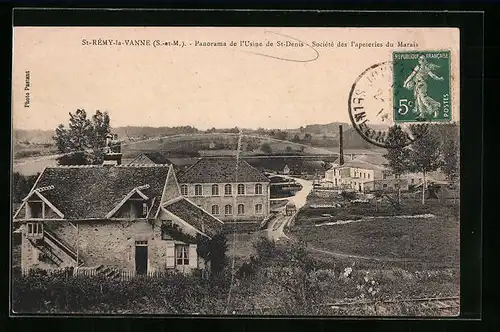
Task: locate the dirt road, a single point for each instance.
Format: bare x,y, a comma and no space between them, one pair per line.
276,227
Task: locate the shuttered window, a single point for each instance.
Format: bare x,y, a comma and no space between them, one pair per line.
170,254
182,254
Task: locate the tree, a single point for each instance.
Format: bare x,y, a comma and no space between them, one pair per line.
308,138
83,141
266,148
213,250
398,154
425,152
296,138
21,185
288,149
451,159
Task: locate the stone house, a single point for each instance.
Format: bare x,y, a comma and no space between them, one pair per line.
354,175
230,190
123,217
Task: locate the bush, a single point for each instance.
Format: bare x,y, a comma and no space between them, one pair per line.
265,248
40,291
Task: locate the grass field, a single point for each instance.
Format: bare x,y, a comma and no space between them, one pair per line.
433,241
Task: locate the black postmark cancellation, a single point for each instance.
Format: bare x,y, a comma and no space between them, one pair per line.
371,105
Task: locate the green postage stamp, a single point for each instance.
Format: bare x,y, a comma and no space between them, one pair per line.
422,86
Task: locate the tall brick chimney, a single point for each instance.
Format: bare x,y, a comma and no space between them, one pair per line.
112,151
341,143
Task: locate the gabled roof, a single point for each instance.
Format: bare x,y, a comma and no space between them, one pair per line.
221,170
91,192
157,157
154,156
194,215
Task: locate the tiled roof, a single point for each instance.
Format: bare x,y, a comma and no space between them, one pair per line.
157,158
221,170
195,216
84,192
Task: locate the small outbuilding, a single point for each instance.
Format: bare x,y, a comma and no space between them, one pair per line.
290,209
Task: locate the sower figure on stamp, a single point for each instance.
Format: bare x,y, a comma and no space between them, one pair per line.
424,104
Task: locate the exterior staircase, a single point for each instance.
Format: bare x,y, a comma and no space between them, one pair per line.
66,248
47,251
49,242
108,272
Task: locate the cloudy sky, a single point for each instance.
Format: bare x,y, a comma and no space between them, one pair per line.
200,86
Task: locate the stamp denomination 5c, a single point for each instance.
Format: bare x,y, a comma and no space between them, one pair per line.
422,86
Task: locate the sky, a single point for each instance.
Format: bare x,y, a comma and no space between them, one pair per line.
201,86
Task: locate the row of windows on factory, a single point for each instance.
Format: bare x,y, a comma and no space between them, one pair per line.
228,189
228,209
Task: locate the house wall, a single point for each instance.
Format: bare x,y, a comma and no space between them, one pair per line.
249,200
108,243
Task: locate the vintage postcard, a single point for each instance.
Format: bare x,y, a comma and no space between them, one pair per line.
236,171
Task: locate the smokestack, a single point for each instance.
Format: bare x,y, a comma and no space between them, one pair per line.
341,143
112,151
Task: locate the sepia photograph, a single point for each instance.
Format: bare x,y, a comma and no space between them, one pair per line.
236,171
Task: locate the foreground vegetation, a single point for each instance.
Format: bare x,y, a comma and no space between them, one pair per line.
277,280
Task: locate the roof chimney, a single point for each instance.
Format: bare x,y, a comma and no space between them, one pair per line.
112,151
341,143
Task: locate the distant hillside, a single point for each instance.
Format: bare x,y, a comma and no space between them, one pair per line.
324,135
329,129
33,136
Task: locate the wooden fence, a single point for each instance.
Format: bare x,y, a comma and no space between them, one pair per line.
94,272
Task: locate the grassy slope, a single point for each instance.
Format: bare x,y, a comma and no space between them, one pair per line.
434,241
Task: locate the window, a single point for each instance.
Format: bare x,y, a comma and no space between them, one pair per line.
215,190
198,190
182,254
258,189
228,210
228,190
368,175
184,190
35,229
241,209
144,209
385,185
164,230
241,189
258,208
334,172
364,175
412,181
215,209
36,209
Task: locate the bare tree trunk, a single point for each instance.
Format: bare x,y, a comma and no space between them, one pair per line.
424,186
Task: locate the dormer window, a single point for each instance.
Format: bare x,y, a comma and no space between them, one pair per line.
36,209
